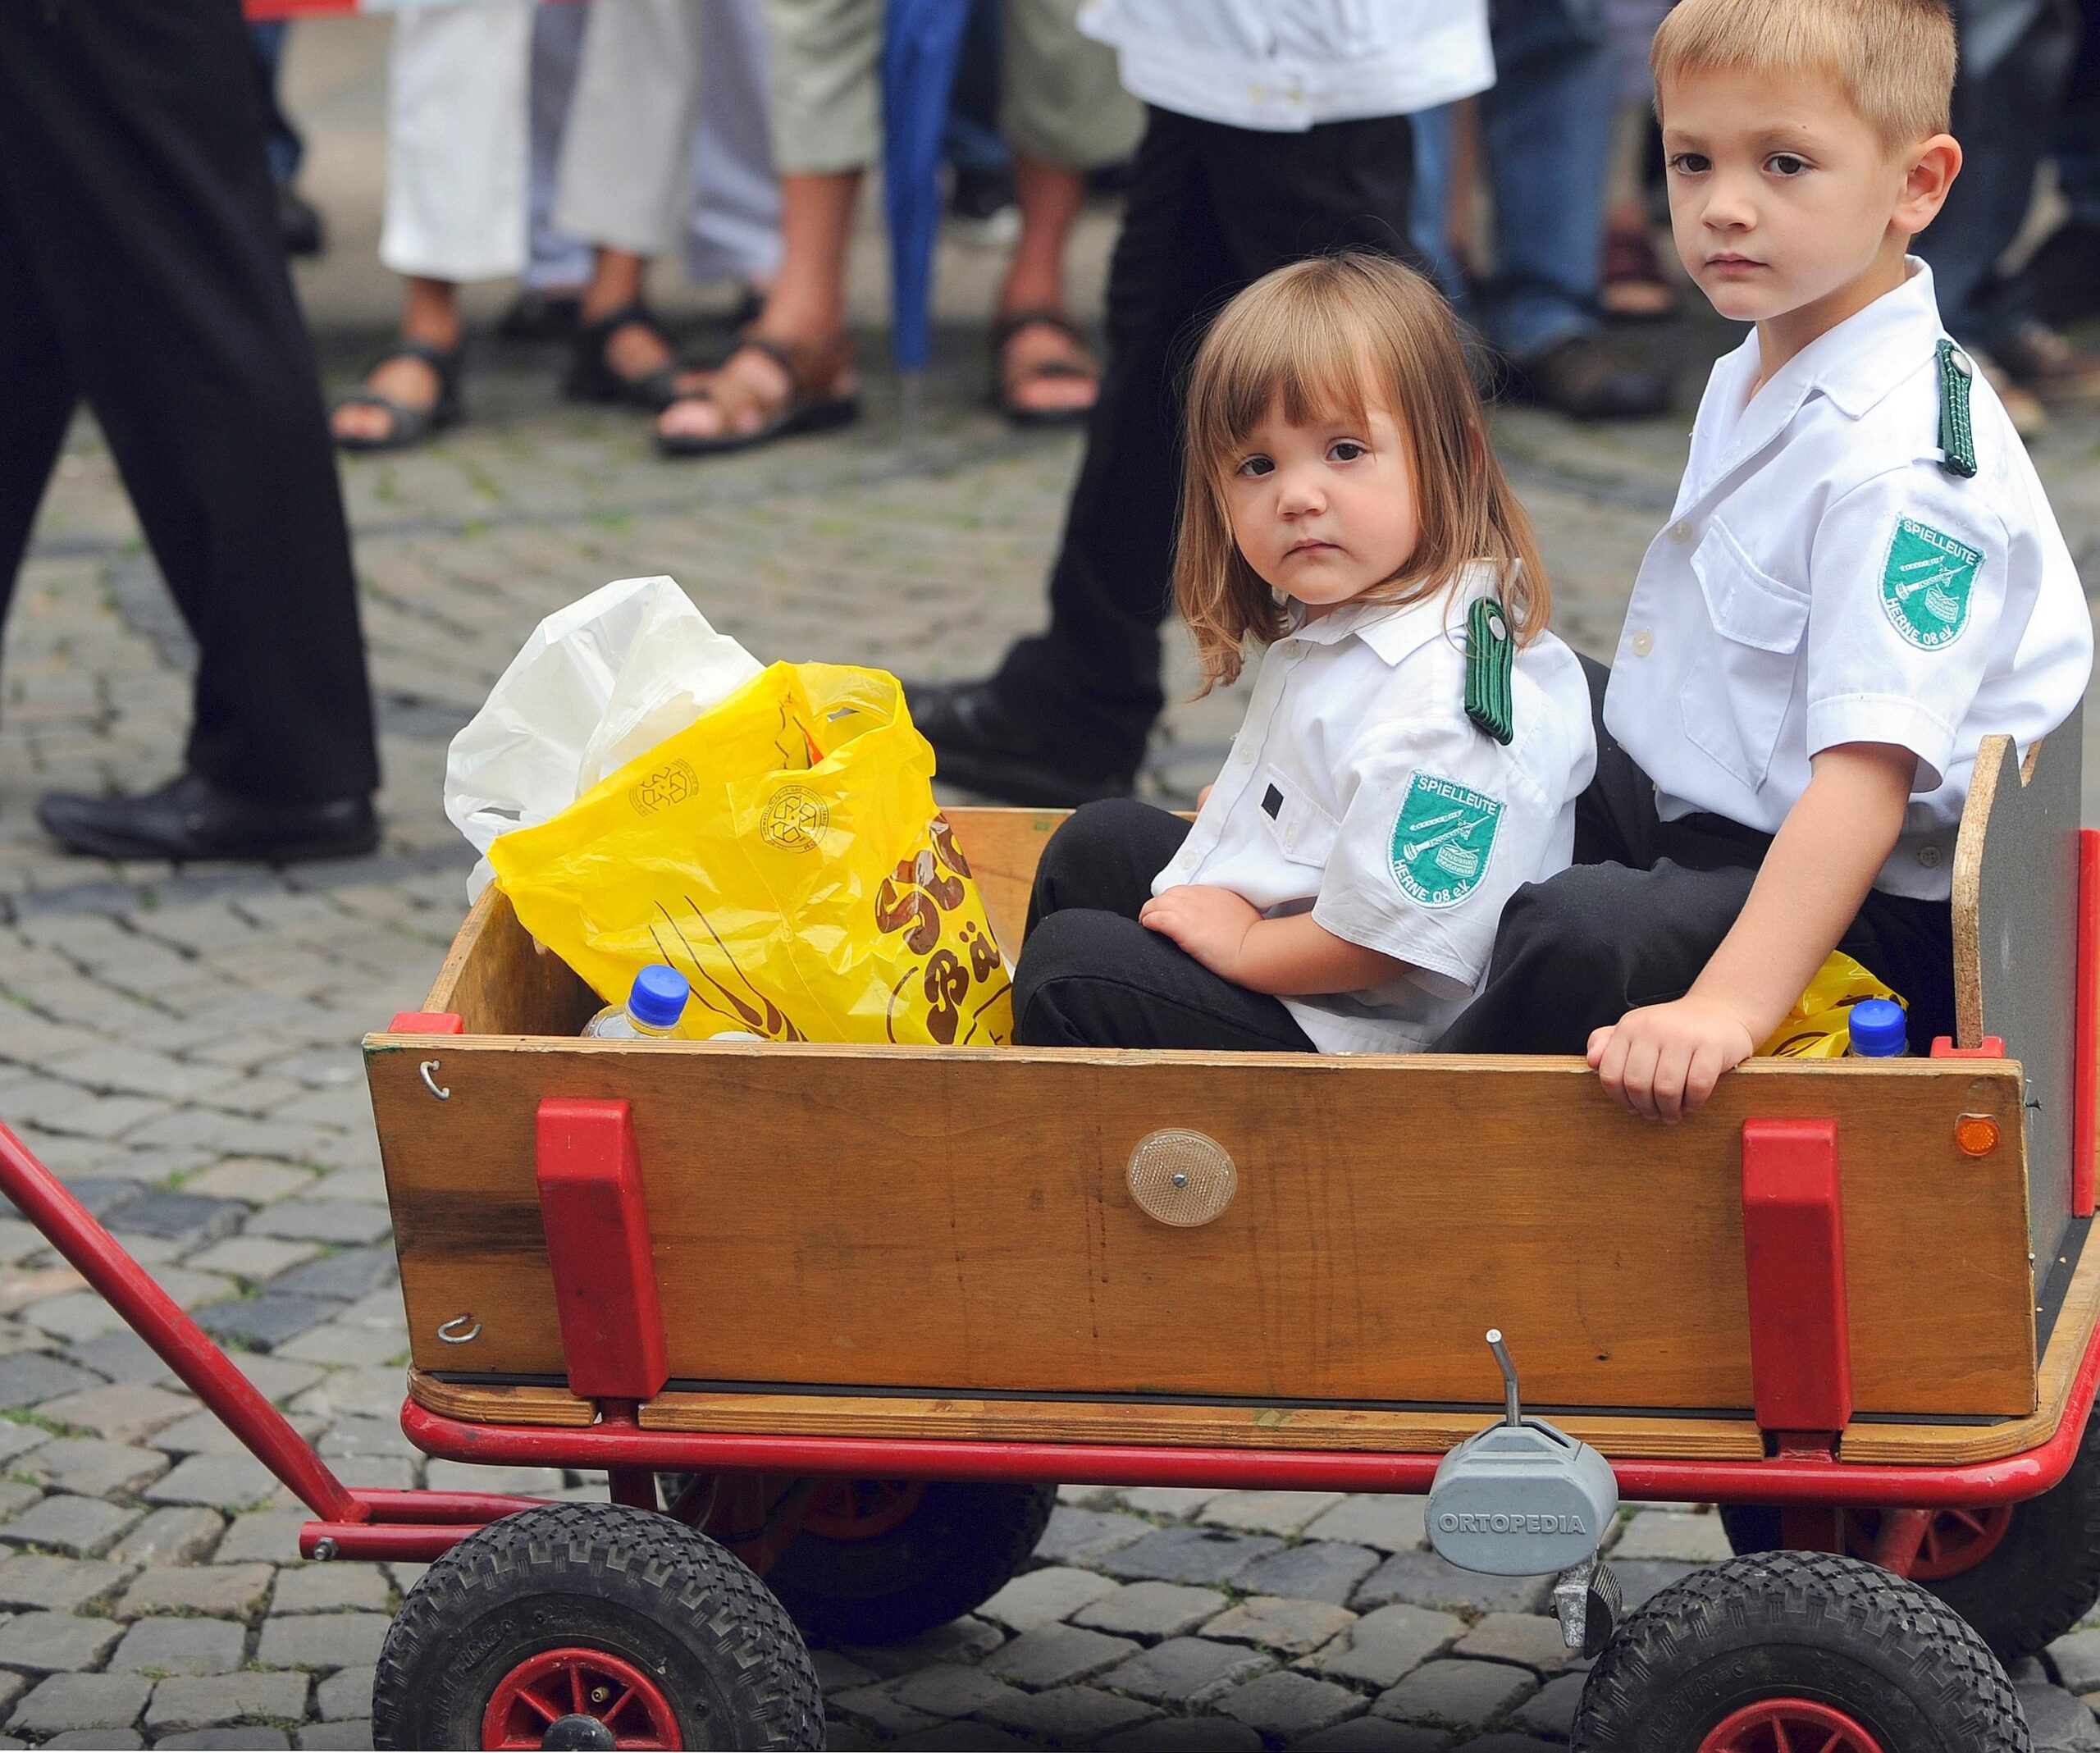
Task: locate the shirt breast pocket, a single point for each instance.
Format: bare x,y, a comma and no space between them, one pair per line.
1302,831
1739,683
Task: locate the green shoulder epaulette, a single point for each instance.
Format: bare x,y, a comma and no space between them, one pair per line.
1957,437
1491,661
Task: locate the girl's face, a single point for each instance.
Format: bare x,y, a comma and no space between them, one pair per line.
1324,511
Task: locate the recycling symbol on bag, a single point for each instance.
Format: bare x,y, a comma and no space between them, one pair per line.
795,820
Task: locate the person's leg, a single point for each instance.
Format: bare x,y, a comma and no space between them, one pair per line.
37,394
734,232
131,160
2065,271
1103,859
1429,202
557,264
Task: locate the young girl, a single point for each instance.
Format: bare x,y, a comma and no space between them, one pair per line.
1415,740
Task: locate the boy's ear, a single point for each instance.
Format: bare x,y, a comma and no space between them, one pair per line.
1933,167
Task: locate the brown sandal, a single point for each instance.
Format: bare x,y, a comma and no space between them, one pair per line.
812,404
1006,383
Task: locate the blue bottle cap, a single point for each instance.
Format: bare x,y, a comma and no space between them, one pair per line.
1878,1031
658,997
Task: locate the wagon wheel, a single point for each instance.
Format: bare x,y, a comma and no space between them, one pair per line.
1797,1652
879,1561
2023,1574
585,1625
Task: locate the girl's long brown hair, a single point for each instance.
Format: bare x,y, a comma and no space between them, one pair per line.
1337,334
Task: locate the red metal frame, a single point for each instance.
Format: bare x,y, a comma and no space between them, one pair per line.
1793,1239
597,1228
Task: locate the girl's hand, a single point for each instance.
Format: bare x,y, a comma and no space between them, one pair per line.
1210,924
1203,797
1663,1060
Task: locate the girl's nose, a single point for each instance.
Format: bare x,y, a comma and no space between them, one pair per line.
1299,495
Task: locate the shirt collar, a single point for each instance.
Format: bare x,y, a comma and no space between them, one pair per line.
1395,631
1865,357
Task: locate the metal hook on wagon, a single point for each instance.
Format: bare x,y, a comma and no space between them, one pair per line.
431,1083
447,1333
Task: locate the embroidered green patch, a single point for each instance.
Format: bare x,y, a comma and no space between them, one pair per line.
1442,840
1926,582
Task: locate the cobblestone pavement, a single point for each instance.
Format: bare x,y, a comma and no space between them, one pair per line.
181,1047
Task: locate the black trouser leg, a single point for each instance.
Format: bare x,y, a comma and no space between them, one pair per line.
1211,208
131,160
37,394
1090,975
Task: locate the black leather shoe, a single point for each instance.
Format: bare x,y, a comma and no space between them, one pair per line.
983,747
1584,378
300,225
190,819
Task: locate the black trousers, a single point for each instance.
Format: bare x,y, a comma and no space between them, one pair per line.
1210,209
140,268
1090,975
1643,909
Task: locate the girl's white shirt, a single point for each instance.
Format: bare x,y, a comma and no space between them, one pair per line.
1286,66
1358,789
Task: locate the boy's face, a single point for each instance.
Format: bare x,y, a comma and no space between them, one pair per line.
1781,193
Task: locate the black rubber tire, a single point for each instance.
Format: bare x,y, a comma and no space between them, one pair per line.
1807,1625
2041,1580
638,1586
958,1548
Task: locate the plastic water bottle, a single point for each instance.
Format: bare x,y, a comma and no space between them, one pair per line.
651,1011
1879,1030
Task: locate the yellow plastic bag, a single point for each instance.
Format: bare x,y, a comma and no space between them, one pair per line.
1819,1025
784,853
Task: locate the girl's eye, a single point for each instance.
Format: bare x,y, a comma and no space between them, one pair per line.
1346,450
1254,468
1691,164
1786,164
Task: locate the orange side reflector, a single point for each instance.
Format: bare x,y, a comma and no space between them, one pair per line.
1976,1135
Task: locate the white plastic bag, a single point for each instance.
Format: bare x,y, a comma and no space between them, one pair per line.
597,684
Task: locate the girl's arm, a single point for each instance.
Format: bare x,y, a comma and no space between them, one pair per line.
1289,958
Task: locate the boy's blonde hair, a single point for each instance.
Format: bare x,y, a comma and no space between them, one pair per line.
1335,334
1893,59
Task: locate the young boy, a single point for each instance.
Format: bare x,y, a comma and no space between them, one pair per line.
1862,580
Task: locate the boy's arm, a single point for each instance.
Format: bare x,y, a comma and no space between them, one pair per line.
1663,1060
1288,958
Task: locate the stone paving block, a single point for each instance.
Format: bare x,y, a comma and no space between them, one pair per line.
876,1707
2076,1659
322,1641
93,1467
373,1393
1037,1597
369,1438
96,1740
1507,1741
382,1308
79,1315
1073,1716
958,1738
1422,1579
345,1695
34,1579
67,1701
1316,1569
218,1481
30,1377
201,1702
1531,1640
349,1738
225,1591
1385,1645
122,1356
79,1527
14,1497
1641,1579
332,1342
963,1640
1267,1512
267,1320
178,1217
1151,1610
834,1673
1377,1734
1186,1672
1188,1554
1166,1500
252,1180
1445,1692
1185,1734
254,1735
343,1222
254,1258
1291,1628
201,1433
119,1412
277,1378
1286,1706
350,1274
2058,1722
1057,1655
948,1689
331,1587
1672,1534
53,1643
164,1646
1079,1535
17,1440
1550,1710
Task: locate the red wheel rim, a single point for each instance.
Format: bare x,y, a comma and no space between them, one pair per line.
851,1509
557,1683
1955,1540
1787,1725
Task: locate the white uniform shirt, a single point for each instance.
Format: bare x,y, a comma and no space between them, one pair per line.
1824,580
1357,788
1284,66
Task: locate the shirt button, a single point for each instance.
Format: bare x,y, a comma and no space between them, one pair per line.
1928,857
1243,755
1680,530
1290,839
1644,642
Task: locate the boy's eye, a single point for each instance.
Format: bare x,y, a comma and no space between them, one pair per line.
1255,467
1346,450
1691,164
1786,164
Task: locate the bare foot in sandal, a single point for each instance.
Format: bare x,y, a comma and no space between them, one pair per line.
1047,376
410,391
766,389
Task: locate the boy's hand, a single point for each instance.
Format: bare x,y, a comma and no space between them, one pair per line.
1210,924
1663,1060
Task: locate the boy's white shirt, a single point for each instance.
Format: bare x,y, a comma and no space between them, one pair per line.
1823,580
1357,769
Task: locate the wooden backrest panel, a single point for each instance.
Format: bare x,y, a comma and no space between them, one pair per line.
960,1221
2015,965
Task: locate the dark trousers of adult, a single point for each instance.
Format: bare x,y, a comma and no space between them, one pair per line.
1211,208
1641,911
140,268
1090,975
